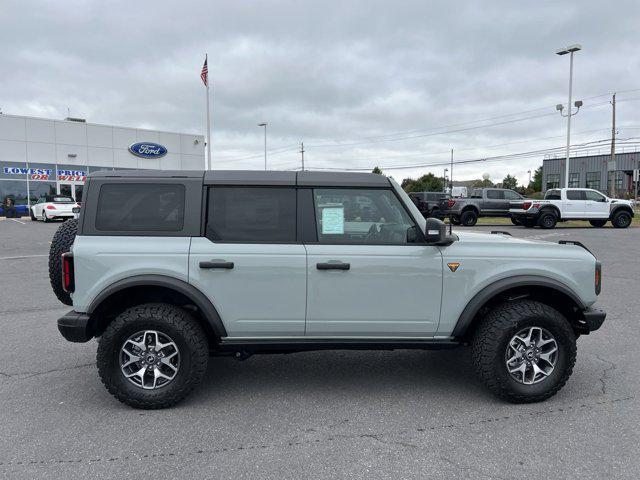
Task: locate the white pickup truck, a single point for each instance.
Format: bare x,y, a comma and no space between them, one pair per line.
562,204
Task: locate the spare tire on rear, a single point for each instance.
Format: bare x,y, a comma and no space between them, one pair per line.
61,243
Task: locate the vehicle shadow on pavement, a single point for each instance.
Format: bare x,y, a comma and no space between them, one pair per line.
399,372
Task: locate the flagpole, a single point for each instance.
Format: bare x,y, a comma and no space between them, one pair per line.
208,120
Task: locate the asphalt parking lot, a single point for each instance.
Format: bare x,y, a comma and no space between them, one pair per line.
400,414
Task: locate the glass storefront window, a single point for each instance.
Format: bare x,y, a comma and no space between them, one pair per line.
14,189
40,189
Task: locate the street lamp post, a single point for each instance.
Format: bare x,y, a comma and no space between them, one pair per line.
563,51
264,124
444,180
529,172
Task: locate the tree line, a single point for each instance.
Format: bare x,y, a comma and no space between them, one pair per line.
431,183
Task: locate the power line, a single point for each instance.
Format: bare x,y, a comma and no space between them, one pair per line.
520,155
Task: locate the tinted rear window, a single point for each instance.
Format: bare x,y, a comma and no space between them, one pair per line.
552,195
140,207
252,214
575,195
495,194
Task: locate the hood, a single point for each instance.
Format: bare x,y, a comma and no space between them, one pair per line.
483,243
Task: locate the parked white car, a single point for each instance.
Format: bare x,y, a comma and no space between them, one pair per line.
50,207
562,204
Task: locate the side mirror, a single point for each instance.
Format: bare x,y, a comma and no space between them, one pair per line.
435,232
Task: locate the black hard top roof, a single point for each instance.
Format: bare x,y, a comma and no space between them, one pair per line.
148,173
310,179
258,177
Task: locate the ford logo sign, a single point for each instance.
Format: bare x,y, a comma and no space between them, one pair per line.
148,150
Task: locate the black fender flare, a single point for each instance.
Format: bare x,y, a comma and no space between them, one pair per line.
556,210
617,208
466,208
499,286
198,298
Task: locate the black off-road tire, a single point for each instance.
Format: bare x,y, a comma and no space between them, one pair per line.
61,243
455,220
170,320
547,219
529,222
516,221
492,336
621,219
469,218
598,223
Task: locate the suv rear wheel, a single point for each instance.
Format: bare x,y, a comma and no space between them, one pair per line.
152,355
469,218
524,351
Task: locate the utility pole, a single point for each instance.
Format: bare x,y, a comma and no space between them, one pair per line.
451,174
613,147
302,154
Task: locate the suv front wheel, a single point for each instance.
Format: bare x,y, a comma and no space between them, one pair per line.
524,351
152,355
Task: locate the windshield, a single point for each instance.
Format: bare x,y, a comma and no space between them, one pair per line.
61,199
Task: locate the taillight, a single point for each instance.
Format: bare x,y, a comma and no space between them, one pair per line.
451,203
526,205
51,207
598,278
68,280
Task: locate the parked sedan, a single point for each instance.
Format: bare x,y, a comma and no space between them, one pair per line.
51,207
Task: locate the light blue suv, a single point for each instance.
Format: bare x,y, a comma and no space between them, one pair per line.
168,268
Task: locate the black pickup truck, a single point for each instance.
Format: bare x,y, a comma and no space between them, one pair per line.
428,202
483,202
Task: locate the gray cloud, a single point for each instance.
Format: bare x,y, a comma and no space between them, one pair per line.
328,72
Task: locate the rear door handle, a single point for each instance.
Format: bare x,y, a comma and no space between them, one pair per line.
333,266
217,264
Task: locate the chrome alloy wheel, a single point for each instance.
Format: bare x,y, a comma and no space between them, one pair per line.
149,359
531,355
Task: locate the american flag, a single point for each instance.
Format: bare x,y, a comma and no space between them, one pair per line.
204,75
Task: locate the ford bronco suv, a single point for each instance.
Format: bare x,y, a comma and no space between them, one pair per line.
167,268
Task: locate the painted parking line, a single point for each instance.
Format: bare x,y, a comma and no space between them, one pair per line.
23,256
19,221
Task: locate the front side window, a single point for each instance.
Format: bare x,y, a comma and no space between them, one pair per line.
362,216
252,214
511,195
593,180
140,207
594,196
495,194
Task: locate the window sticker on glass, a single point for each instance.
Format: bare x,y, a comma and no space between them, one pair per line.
333,220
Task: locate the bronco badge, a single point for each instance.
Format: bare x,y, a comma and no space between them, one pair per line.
453,266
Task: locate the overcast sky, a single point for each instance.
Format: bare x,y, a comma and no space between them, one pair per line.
361,83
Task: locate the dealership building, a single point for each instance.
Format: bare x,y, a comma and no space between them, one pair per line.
44,157
594,171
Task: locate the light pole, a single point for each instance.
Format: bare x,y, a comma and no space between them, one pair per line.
444,180
264,124
563,51
529,172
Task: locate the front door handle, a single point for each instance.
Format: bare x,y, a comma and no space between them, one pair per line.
217,264
333,266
